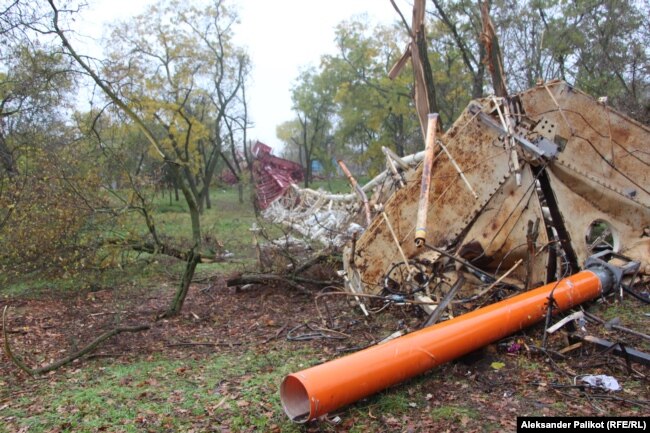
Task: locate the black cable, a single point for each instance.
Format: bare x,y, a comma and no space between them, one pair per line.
551,305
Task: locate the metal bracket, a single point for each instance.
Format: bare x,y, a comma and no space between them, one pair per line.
543,148
598,262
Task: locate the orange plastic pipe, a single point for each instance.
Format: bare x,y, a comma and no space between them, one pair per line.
319,390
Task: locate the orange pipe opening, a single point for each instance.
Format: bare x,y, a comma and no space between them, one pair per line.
321,389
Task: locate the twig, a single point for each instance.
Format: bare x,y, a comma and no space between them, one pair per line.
548,352
399,247
399,12
102,313
317,258
317,332
458,169
105,355
560,110
276,335
68,359
501,278
368,295
360,192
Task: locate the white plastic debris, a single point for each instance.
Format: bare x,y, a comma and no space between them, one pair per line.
602,381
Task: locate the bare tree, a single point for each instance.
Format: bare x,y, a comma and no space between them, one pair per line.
156,81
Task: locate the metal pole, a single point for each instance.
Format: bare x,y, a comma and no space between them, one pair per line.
423,205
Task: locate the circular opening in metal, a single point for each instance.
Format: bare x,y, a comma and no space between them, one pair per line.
601,236
295,400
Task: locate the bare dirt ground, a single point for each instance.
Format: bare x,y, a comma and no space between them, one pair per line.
493,386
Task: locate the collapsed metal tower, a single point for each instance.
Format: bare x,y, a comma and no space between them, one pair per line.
532,185
520,192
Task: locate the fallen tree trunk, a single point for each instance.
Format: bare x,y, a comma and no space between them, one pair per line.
68,359
270,279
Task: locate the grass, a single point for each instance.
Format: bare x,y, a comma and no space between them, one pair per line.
225,228
218,392
454,413
228,221
629,317
158,394
133,271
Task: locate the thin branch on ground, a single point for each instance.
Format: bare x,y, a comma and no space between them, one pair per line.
68,359
271,279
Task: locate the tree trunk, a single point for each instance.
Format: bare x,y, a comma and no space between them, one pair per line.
6,158
193,259
478,78
490,41
307,172
429,84
208,203
240,189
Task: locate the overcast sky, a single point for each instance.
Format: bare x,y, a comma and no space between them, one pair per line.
282,37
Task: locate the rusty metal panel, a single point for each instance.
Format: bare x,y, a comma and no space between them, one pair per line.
602,173
601,143
452,207
593,162
499,233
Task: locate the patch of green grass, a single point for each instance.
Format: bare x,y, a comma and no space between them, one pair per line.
559,407
632,314
392,402
31,286
134,272
226,225
234,391
624,311
454,413
528,364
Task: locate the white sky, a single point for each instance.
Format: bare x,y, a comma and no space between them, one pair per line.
282,37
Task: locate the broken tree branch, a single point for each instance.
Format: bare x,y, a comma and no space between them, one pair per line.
404,22
68,359
272,279
423,202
